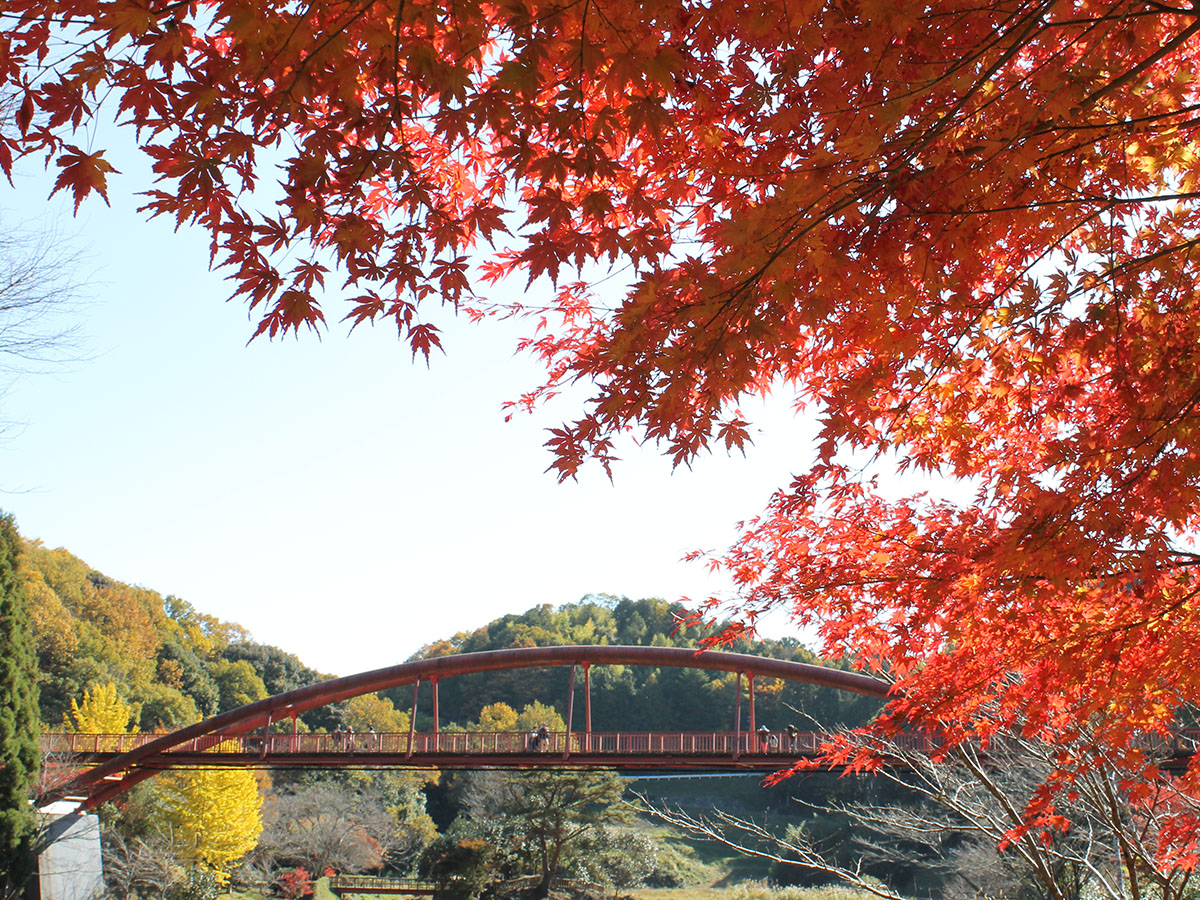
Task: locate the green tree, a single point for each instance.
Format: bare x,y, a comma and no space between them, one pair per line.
461,868
19,752
180,667
536,714
237,683
370,712
552,813
164,708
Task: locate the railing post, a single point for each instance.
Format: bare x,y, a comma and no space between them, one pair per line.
412,719
570,711
737,717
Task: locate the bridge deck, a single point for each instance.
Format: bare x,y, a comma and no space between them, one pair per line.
628,750
621,750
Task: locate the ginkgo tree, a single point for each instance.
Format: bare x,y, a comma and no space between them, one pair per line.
215,814
962,236
101,712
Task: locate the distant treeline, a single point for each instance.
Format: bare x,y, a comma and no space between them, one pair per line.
629,697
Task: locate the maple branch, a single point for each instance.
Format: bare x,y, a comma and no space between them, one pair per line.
1032,20
1108,202
1118,125
332,36
286,41
1130,74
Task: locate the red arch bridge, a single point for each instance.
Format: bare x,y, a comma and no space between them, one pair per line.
94,768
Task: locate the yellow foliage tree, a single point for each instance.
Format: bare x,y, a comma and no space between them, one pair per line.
216,814
536,714
498,717
101,712
370,712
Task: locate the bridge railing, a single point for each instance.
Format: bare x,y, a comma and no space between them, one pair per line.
489,743
615,743
380,884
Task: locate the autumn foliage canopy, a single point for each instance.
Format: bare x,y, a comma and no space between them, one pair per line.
964,236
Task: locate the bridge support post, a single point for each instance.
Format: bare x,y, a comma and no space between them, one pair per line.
750,681
570,711
412,719
737,718
587,705
437,743
266,736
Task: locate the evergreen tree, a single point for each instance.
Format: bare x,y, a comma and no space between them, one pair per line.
19,752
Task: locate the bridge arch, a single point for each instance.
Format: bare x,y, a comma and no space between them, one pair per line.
120,773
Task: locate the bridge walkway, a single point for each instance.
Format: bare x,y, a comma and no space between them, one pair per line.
765,750
627,750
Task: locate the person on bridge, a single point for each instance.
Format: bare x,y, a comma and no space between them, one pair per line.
544,738
792,737
764,737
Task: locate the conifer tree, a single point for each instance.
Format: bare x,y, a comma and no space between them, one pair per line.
19,754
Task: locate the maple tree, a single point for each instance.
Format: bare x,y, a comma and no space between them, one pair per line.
963,236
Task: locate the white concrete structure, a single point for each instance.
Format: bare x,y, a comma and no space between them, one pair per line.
69,868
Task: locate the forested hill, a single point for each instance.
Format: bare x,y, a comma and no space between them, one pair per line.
174,664
171,662
631,697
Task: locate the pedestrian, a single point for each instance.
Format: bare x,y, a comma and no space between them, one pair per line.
764,737
544,737
792,737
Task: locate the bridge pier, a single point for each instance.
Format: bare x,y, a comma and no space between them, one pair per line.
68,864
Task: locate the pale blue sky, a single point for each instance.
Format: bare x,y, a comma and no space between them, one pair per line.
332,496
